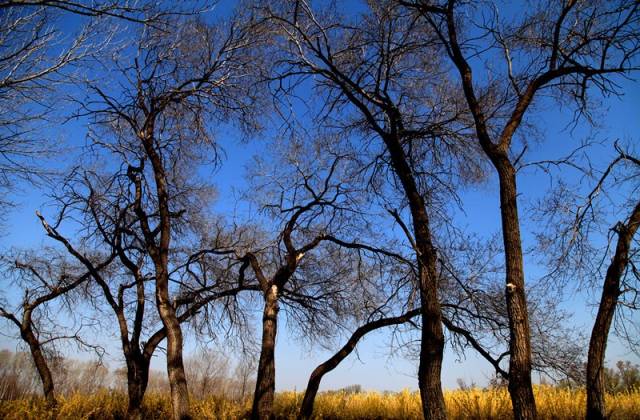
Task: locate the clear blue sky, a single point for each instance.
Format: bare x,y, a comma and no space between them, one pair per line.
374,369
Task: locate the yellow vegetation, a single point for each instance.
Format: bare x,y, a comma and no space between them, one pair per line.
553,403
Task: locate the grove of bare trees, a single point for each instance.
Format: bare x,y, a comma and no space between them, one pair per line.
366,132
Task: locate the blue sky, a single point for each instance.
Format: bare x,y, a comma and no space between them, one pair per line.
375,368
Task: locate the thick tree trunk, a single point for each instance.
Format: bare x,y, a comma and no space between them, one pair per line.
175,364
432,336
597,347
306,410
137,380
520,387
266,380
41,365
160,254
610,292
431,352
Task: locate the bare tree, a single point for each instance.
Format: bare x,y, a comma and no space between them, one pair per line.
322,281
44,280
104,206
243,373
158,125
324,197
39,56
562,48
376,77
475,316
616,283
208,373
576,253
145,12
30,72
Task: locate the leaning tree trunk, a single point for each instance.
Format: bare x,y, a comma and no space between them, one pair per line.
520,387
306,410
266,379
41,365
610,291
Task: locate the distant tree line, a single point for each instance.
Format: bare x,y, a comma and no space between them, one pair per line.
209,374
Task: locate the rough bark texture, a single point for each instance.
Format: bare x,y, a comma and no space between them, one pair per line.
432,335
137,381
431,351
610,292
160,254
175,364
318,373
520,387
41,364
266,379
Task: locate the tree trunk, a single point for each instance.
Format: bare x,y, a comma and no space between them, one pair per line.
175,364
432,336
306,410
41,365
137,380
606,311
520,387
266,380
431,350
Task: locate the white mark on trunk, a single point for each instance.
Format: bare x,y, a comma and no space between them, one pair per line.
273,291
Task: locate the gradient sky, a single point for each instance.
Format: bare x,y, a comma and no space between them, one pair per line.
375,367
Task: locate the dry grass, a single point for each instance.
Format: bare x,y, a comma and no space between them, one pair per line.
553,403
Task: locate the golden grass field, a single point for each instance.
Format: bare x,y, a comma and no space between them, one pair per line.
553,403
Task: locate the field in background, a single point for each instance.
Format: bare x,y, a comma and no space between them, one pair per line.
553,403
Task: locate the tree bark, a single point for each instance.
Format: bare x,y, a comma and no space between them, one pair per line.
520,386
318,373
266,379
160,255
175,364
610,292
431,350
137,381
41,364
432,335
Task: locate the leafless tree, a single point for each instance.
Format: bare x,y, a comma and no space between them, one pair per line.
244,372
376,78
158,124
44,280
208,373
30,71
580,225
620,281
315,267
560,49
145,12
475,317
39,56
318,373
104,207
281,282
